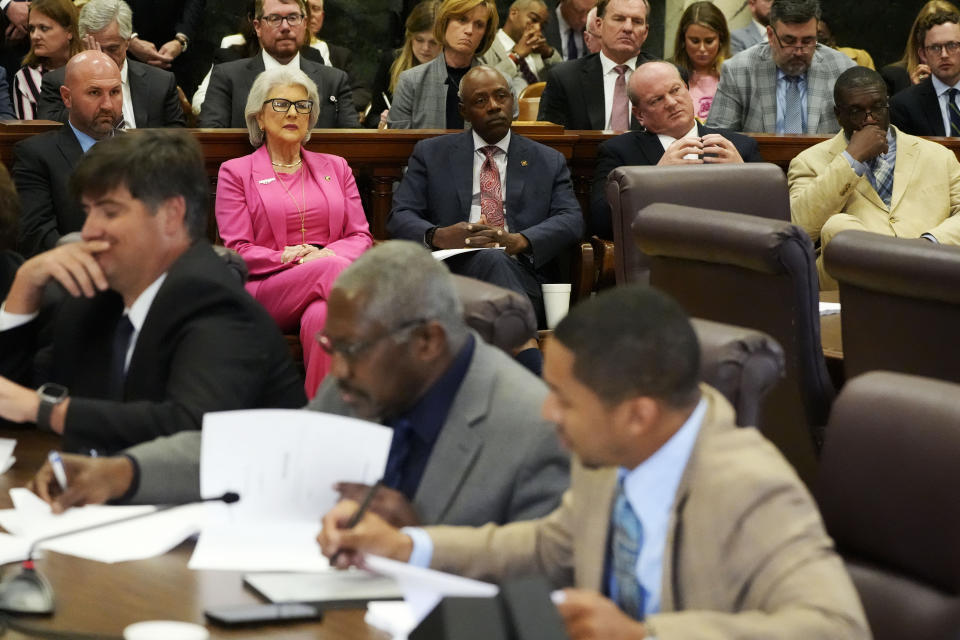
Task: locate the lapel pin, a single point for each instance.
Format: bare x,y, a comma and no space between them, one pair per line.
523,163
266,180
327,178
333,98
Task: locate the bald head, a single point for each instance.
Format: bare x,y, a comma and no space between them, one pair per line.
661,101
93,93
486,102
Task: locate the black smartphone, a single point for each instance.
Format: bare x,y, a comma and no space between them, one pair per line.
235,615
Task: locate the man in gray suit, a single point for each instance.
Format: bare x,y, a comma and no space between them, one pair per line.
756,31
786,85
520,50
281,29
469,443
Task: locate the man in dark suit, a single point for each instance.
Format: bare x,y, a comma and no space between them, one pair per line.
43,164
925,109
671,135
452,195
154,329
564,31
280,40
591,93
149,94
335,56
164,32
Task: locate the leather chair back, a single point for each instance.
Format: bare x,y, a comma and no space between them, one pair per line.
900,304
754,188
757,273
502,317
742,364
889,491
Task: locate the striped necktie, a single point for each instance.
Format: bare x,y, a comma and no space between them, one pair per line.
954,112
626,542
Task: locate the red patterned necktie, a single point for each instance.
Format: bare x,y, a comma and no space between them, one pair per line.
491,197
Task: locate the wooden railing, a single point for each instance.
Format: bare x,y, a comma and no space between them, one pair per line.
378,157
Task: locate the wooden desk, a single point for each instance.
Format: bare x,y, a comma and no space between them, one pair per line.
98,598
830,336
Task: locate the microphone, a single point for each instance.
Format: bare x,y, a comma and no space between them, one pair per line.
30,592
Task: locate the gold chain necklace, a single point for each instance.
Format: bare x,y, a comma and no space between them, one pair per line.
300,209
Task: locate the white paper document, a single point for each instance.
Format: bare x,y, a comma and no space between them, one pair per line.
829,308
424,588
31,519
6,454
443,254
283,464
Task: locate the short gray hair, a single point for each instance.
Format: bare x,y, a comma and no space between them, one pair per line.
400,282
96,15
267,82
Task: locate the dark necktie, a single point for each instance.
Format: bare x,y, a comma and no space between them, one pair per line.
491,194
793,109
954,112
626,542
118,361
526,71
572,45
399,452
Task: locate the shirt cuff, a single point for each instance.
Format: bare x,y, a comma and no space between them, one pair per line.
422,552
930,237
13,320
858,167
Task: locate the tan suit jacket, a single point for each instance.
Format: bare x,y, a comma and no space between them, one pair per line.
926,194
746,553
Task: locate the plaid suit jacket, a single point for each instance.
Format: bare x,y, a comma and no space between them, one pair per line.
746,555
746,97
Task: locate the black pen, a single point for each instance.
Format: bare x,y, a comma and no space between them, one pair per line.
358,516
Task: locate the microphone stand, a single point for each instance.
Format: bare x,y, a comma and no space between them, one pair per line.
29,592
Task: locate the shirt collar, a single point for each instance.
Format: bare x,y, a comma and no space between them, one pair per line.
666,140
479,143
940,87
608,65
427,416
269,62
505,40
659,475
781,75
762,30
85,141
137,312
124,72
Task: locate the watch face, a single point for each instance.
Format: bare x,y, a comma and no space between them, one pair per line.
53,392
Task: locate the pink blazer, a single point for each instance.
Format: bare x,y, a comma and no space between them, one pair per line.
251,201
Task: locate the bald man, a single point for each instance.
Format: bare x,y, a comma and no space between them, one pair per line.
671,135
93,95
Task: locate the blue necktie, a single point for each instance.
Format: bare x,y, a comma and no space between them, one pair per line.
793,109
399,452
572,45
118,363
954,112
626,543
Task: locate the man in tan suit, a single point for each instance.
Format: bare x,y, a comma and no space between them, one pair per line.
713,534
873,177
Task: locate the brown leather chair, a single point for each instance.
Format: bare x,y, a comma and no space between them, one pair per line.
502,317
900,304
756,188
889,491
758,273
742,364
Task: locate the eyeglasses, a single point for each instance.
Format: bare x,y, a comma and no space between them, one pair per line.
792,43
937,49
282,105
858,115
351,351
274,20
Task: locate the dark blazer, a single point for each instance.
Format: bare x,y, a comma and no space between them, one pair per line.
916,111
206,345
42,166
573,96
380,86
436,191
644,149
341,58
230,85
9,263
153,93
551,32
6,106
896,77
158,22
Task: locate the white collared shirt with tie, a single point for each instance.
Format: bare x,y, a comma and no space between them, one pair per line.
500,160
610,75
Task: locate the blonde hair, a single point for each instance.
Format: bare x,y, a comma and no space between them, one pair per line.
420,19
451,9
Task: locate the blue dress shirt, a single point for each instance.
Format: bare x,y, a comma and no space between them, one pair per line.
782,84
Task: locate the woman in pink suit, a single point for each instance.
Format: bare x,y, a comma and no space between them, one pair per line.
294,215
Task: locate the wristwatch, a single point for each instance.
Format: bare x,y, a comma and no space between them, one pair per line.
51,394
428,238
183,40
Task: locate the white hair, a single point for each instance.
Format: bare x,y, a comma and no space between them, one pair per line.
96,15
267,82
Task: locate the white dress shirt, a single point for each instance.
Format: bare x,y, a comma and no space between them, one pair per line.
609,82
666,141
129,120
565,33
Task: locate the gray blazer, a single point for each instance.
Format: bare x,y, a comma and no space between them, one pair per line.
420,99
743,39
746,97
496,459
497,57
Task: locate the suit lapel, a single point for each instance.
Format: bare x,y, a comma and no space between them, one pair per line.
649,145
271,193
518,166
930,106
460,162
139,94
69,146
907,164
459,444
593,92
767,92
818,84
